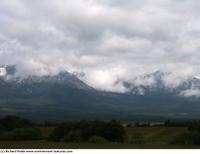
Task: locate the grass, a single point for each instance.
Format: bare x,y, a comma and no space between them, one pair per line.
156,134
62,145
46,131
155,138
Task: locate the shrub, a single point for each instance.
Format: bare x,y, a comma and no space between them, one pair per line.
136,139
53,137
13,122
2,129
27,134
195,126
7,136
112,131
73,136
61,130
97,139
191,138
21,134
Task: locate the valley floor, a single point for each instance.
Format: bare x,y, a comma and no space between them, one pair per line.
151,137
62,145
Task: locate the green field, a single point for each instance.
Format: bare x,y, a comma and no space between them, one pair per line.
62,145
152,138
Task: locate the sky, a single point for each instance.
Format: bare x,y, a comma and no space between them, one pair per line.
107,40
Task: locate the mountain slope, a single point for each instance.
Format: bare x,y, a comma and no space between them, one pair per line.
64,96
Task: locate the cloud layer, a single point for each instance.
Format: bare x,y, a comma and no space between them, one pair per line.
108,40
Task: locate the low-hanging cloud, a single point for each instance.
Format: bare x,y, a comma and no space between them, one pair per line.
108,40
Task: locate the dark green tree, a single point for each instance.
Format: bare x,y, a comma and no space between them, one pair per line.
12,122
110,130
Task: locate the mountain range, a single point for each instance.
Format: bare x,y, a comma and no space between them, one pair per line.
64,96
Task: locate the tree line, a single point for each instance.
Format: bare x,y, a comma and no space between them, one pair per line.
16,128
13,128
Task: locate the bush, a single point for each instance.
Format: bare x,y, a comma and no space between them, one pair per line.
27,134
21,134
73,136
195,126
112,131
97,139
13,122
136,139
7,136
191,138
61,130
2,129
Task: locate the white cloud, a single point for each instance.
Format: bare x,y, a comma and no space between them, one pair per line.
191,93
107,40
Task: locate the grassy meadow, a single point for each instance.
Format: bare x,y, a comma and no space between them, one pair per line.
137,138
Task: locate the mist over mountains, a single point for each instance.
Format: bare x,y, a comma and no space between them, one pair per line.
110,41
140,85
89,59
65,96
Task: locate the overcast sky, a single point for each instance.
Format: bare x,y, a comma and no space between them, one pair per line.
108,40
